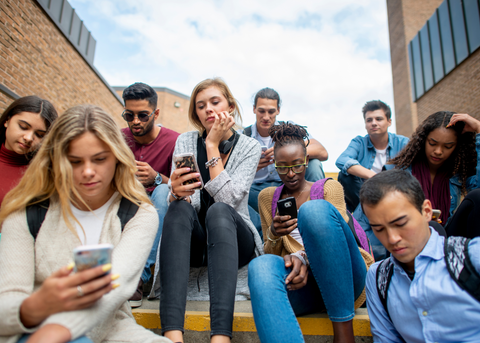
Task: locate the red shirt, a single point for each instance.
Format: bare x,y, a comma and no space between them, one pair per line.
158,154
12,168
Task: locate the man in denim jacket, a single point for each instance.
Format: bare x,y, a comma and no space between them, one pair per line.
366,156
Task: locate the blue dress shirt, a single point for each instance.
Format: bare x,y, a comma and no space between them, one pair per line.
432,307
361,151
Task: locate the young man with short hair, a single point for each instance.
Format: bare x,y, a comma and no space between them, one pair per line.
418,295
153,147
366,156
266,108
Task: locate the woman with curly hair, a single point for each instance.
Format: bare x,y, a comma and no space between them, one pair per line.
313,262
442,155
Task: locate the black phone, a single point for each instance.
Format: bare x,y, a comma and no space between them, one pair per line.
287,207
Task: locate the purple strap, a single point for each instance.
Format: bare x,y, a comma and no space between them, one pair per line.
318,192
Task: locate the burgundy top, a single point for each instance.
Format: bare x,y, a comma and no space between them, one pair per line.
12,168
158,154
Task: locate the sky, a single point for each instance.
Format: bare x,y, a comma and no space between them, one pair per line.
325,58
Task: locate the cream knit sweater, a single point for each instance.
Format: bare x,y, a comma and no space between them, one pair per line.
25,264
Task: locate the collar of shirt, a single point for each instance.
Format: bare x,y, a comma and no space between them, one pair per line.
433,250
389,145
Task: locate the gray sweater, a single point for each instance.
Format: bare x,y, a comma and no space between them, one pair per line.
233,184
231,187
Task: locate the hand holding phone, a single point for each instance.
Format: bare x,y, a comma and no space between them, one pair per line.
188,160
286,219
90,256
436,215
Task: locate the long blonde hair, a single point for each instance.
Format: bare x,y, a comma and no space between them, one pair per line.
223,88
50,173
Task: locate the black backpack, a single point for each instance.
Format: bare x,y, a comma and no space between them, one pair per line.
458,264
36,214
248,130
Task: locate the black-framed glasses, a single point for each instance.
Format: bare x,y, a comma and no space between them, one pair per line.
143,117
297,168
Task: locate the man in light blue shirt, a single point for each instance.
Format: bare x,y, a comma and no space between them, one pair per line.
366,156
425,303
266,108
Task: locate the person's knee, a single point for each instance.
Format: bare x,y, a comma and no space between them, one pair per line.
218,211
316,217
178,211
474,196
314,170
261,270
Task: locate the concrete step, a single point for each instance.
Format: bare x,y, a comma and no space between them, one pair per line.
315,327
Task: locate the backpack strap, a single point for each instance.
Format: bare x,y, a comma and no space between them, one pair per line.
126,211
460,266
384,277
36,214
317,191
276,197
248,131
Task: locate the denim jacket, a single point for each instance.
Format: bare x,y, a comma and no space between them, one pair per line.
472,183
361,151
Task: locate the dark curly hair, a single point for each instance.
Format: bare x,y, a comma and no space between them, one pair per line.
287,133
462,161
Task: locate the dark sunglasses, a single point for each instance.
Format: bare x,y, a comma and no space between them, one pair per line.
143,117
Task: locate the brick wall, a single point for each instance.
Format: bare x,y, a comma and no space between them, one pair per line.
175,118
405,19
459,91
36,58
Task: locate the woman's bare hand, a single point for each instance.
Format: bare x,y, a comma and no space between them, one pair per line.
471,124
299,274
283,225
66,291
181,175
223,123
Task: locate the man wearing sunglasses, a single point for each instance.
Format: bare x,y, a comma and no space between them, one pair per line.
153,147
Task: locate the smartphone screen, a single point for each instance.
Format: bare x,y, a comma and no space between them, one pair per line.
264,148
89,256
188,160
287,207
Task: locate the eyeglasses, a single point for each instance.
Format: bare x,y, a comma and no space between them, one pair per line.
297,168
143,117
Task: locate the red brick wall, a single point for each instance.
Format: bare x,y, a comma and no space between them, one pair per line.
405,19
459,91
36,58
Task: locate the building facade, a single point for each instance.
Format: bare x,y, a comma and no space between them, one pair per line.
435,52
173,108
46,50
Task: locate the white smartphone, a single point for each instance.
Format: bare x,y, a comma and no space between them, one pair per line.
90,256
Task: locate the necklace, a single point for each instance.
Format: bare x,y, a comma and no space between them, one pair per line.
296,198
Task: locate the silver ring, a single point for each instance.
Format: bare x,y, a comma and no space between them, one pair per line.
80,292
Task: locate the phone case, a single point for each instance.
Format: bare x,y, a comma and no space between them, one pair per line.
89,256
287,207
188,160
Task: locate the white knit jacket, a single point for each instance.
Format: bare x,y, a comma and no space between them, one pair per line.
25,264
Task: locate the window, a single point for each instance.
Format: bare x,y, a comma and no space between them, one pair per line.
437,58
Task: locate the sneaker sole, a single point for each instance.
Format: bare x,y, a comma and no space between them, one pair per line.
135,303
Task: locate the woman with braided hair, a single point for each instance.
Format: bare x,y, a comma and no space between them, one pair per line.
442,155
313,262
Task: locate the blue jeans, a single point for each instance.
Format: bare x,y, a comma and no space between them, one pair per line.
336,279
159,200
314,170
82,339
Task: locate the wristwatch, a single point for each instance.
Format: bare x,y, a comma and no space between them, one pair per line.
158,180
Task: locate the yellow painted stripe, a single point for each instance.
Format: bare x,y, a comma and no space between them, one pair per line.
332,175
313,325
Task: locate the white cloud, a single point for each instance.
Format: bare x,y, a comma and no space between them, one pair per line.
325,58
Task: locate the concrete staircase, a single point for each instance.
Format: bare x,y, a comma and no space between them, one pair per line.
316,327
